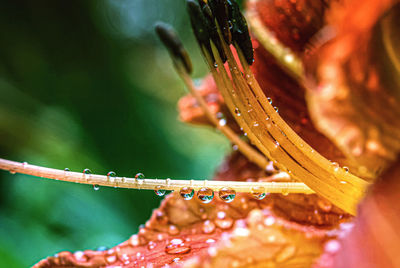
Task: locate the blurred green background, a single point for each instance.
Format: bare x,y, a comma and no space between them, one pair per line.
86,84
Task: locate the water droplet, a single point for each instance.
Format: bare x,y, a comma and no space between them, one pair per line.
24,164
208,227
111,174
237,112
346,169
255,124
335,166
216,65
159,190
87,171
80,256
269,100
139,176
173,230
177,246
258,192
67,169
111,256
151,245
343,182
224,223
96,187
187,193
176,259
276,144
12,171
227,194
235,147
205,195
289,58
222,122
276,109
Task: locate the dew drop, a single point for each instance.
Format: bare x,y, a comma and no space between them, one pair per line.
87,171
235,147
258,192
276,144
173,230
335,166
177,246
346,169
96,187
269,100
159,190
205,195
208,227
276,109
237,112
227,194
80,256
216,65
111,256
222,122
255,124
111,174
67,169
12,171
151,245
139,176
187,193
224,223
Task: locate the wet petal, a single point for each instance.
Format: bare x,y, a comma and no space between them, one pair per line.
349,72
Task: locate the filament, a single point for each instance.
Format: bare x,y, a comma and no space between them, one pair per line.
149,184
276,139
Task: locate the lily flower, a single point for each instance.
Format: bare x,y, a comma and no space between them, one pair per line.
308,96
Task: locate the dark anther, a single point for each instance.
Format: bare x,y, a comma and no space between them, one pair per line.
240,31
221,13
203,27
171,40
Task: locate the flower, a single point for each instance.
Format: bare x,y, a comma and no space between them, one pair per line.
333,107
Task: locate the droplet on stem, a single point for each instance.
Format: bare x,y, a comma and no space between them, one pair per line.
205,195
237,112
159,190
96,187
258,192
187,193
227,194
87,171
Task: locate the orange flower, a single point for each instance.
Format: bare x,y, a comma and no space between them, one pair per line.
343,107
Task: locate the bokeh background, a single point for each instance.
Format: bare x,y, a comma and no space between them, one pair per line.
86,84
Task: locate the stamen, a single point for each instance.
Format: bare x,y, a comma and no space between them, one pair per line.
154,184
170,39
275,138
243,147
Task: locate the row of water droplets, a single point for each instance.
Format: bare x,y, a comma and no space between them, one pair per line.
204,194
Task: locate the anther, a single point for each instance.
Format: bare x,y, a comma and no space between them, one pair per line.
174,45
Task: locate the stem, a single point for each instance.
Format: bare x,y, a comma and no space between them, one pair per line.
150,184
243,147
